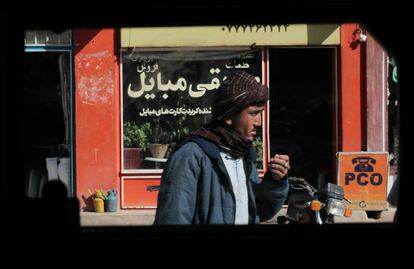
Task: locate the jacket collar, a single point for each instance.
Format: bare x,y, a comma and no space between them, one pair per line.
213,151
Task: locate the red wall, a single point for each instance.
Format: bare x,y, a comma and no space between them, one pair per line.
350,90
97,108
376,107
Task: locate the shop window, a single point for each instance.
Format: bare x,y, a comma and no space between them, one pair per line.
166,94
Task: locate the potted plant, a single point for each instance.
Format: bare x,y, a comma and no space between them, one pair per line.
135,139
159,145
258,146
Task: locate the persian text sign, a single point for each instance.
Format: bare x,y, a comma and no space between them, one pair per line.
364,176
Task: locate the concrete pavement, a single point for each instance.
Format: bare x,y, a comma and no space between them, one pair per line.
146,217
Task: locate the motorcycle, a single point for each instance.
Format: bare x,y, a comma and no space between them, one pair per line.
308,205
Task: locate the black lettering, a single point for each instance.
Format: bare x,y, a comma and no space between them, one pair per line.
349,177
376,182
359,179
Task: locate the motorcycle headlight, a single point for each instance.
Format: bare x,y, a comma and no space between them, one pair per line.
336,207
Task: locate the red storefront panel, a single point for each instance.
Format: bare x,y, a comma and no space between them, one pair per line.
139,191
96,112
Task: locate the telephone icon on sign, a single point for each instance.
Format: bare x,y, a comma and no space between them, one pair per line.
363,164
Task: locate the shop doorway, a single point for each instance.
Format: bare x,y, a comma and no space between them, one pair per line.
46,120
301,110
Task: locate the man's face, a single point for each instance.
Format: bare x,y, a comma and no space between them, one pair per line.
247,122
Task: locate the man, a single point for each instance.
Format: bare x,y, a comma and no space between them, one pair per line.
211,177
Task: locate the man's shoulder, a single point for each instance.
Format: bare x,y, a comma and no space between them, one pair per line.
189,150
199,145
188,147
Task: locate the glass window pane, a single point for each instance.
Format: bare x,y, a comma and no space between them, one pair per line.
52,38
47,37
40,37
29,37
65,37
169,93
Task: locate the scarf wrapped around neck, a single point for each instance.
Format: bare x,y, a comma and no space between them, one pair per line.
228,140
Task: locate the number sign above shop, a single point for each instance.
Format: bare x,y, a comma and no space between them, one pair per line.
231,35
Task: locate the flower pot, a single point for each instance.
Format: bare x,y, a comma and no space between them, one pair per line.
158,150
133,158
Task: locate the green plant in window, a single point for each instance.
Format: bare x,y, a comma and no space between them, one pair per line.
258,145
161,135
136,135
177,129
177,134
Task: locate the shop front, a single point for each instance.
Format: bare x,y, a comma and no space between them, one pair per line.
138,91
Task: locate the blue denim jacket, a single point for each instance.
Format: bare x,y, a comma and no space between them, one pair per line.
196,188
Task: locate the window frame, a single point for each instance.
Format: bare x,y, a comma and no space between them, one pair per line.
157,172
70,50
